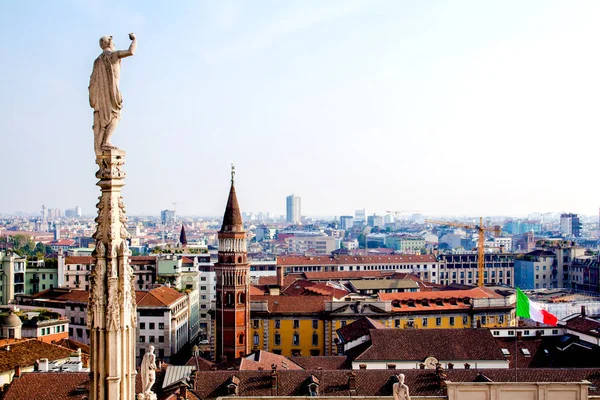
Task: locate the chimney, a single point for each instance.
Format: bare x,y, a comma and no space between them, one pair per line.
43,365
274,379
280,276
583,311
352,382
17,371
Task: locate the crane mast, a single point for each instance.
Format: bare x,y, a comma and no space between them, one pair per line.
480,242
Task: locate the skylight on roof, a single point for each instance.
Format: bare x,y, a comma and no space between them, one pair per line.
506,352
526,352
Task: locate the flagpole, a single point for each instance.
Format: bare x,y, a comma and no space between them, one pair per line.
516,357
516,344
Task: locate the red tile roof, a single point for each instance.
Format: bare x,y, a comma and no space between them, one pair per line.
475,293
358,328
356,260
79,260
265,360
161,296
50,386
26,352
293,304
418,344
585,325
63,294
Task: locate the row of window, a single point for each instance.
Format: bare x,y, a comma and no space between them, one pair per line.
295,339
55,329
152,339
152,325
295,323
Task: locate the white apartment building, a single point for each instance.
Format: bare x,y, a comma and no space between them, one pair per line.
12,275
74,271
318,244
426,267
163,316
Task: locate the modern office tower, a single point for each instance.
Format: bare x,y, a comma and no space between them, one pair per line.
360,216
167,216
570,225
346,222
293,211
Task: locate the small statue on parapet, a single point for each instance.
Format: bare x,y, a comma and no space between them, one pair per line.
400,389
148,373
105,97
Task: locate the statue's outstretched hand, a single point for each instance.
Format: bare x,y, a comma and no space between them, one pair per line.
132,36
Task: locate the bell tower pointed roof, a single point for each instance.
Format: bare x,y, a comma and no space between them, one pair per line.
232,219
182,236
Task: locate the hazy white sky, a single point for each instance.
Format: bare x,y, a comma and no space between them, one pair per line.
457,107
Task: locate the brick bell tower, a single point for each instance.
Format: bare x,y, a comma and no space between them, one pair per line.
233,279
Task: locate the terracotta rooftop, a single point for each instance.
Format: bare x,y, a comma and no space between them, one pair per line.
583,324
322,362
356,260
272,280
475,293
50,386
161,296
266,360
201,364
358,328
26,352
79,260
418,344
212,384
63,294
303,287
293,304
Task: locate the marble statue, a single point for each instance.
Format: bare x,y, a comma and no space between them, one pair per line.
105,97
148,372
400,389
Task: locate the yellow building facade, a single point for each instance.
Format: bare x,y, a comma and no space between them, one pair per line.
306,325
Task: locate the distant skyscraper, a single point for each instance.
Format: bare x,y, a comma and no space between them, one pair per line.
360,216
167,216
346,222
293,211
78,211
569,225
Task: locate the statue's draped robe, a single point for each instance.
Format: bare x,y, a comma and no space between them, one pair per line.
105,97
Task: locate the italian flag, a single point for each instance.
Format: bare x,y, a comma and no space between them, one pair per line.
532,310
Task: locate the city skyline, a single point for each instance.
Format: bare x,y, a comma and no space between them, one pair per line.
389,106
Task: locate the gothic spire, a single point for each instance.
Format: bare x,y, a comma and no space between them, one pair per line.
232,219
182,237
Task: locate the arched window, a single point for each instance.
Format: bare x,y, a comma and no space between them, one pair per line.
241,298
239,259
241,338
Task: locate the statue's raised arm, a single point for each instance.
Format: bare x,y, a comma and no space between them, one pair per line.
105,97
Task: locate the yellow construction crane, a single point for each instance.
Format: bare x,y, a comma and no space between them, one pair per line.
480,241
